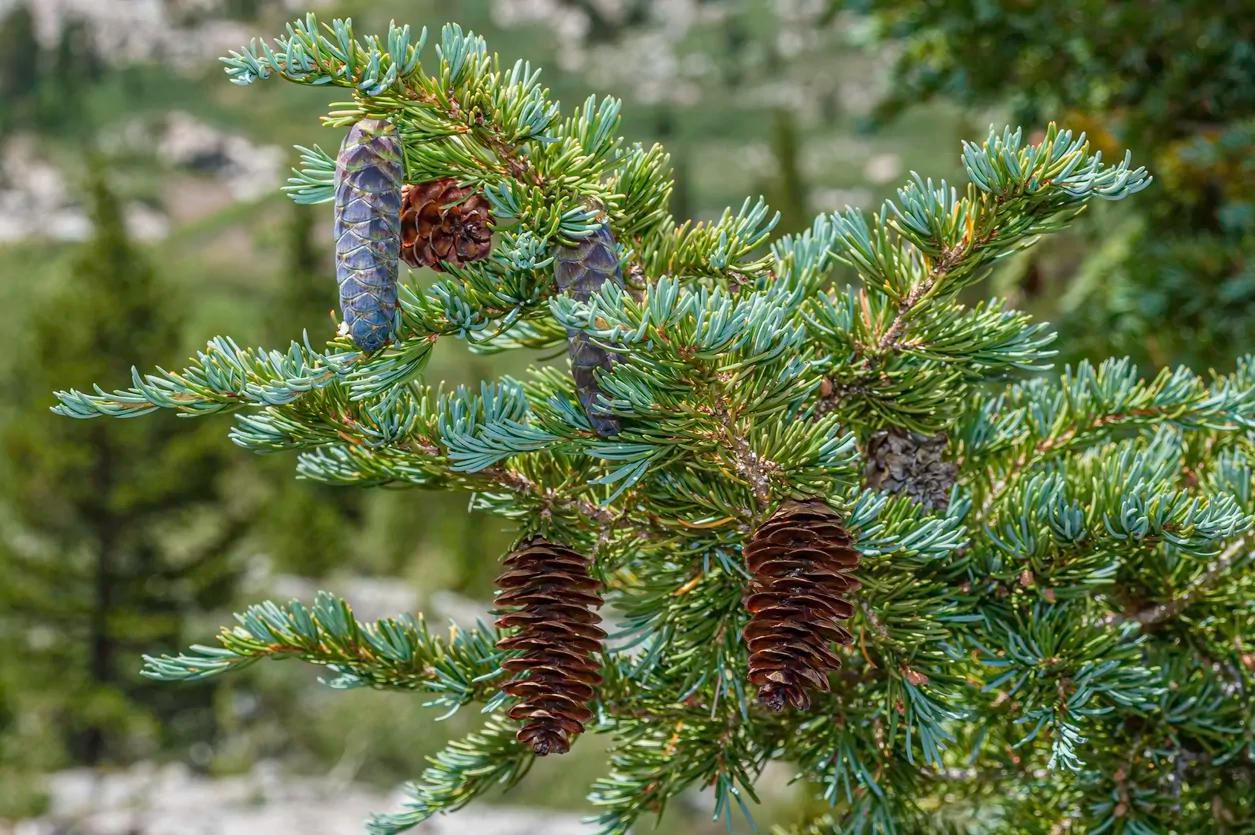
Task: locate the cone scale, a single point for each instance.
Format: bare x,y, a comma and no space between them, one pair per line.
901,461
443,222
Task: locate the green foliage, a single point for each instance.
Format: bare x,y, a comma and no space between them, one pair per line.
108,546
392,653
458,774
19,71
309,527
1176,83
43,88
1067,645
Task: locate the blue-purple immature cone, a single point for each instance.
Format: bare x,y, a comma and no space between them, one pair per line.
369,174
580,271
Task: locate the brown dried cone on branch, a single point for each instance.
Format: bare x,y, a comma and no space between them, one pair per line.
901,461
444,221
799,562
549,601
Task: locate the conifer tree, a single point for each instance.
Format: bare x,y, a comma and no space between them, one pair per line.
1063,642
308,526
116,534
301,302
19,65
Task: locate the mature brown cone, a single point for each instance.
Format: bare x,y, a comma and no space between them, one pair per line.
901,461
548,598
443,221
799,562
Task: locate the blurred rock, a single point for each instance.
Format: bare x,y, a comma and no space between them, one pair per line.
372,598
466,612
249,171
836,199
148,799
883,168
36,201
180,33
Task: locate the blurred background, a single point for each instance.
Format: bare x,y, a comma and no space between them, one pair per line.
140,215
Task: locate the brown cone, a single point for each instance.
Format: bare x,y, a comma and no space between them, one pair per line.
901,461
443,221
799,562
549,600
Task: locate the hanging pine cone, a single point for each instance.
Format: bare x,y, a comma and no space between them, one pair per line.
580,271
901,461
548,597
443,221
799,562
369,170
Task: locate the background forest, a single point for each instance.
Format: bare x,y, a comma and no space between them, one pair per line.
140,212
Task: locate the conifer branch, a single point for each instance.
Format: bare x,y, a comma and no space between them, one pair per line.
948,262
741,380
931,243
395,653
518,483
1234,554
465,769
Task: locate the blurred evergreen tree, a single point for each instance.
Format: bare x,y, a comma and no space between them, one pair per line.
302,301
309,527
787,188
98,562
19,66
1173,277
242,9
73,66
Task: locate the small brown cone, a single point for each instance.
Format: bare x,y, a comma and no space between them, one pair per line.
799,562
549,601
901,461
443,221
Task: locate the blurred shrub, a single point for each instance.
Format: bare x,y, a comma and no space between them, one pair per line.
1173,81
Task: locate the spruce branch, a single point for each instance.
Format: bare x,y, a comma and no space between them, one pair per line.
225,377
949,261
1232,556
985,670
398,653
649,767
465,769
931,243
1039,420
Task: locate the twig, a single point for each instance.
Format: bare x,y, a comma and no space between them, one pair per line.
1161,612
1047,446
754,469
518,483
889,340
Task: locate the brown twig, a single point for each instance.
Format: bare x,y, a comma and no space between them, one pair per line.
518,483
890,340
754,469
1160,612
